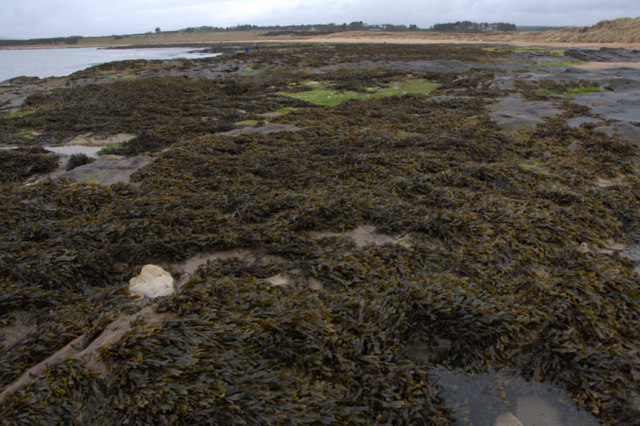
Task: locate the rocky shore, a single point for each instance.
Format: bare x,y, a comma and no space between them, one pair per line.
406,234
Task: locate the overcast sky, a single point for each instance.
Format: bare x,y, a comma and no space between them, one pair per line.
54,18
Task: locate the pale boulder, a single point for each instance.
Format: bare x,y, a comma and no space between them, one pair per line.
152,282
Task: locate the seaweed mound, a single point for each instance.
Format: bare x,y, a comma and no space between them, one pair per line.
22,163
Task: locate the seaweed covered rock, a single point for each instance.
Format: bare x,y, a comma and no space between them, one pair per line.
152,282
16,165
77,160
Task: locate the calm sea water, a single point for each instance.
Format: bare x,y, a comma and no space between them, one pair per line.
60,62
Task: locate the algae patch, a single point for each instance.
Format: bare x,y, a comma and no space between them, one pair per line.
18,114
570,92
321,94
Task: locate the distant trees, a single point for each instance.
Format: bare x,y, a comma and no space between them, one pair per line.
469,26
54,40
158,30
311,29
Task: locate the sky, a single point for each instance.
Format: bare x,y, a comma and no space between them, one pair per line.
24,19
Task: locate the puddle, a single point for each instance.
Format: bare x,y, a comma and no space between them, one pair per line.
433,351
80,348
89,139
283,279
287,278
292,277
366,235
605,183
106,170
630,252
265,129
504,398
633,253
11,334
189,266
89,151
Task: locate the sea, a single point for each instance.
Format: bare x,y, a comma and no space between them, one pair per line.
44,63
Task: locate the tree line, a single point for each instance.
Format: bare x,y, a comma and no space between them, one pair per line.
468,26
360,26
315,29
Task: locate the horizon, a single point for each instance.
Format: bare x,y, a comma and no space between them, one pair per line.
31,19
239,26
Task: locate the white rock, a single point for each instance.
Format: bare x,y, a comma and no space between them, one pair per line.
152,282
507,419
280,280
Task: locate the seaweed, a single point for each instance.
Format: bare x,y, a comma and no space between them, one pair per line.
77,160
22,163
486,249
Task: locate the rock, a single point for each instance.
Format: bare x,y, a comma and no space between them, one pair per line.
575,122
507,419
152,282
605,54
514,112
627,130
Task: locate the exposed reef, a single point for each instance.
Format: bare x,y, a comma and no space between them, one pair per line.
335,266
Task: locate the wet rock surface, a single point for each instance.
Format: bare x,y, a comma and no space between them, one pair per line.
514,112
604,54
379,260
106,170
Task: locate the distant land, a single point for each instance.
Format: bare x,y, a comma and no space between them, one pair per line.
616,31
538,28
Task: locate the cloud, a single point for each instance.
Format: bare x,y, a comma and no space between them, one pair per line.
48,18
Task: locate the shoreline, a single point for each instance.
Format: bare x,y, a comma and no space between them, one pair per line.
158,41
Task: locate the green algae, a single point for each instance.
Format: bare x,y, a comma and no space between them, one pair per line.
571,92
18,114
114,148
327,97
561,64
548,51
121,77
577,91
247,122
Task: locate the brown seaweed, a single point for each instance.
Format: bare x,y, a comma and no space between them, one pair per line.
493,267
